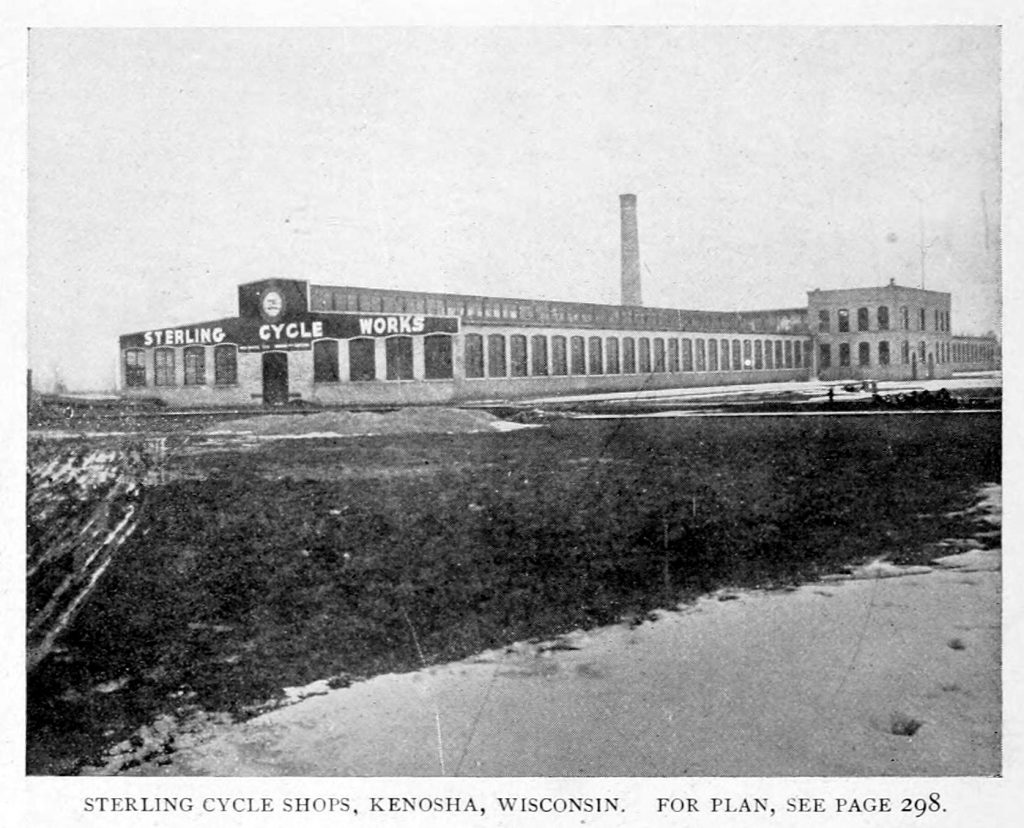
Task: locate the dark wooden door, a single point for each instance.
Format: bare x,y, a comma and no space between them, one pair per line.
275,378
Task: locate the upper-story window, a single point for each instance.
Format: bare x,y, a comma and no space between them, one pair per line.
844,320
883,318
905,317
922,318
863,322
823,321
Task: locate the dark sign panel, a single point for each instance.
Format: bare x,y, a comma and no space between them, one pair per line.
296,334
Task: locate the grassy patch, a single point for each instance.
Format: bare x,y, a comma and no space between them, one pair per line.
303,560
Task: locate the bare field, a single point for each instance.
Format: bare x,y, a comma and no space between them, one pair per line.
280,562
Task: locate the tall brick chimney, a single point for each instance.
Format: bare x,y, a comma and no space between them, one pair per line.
630,251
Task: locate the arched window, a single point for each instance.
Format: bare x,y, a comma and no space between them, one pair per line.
628,355
778,353
843,315
712,354
596,365
699,355
863,322
823,322
922,350
644,355
134,367
737,356
496,362
517,354
437,357
883,318
539,355
687,355
844,354
769,355
748,355
473,356
225,365
758,355
325,360
559,364
659,355
163,366
905,352
398,357
724,352
864,354
577,355
362,364
611,351
789,353
195,365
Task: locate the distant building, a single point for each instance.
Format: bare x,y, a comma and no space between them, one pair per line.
353,346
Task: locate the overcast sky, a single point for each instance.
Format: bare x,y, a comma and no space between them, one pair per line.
166,166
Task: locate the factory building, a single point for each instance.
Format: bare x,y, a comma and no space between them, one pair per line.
360,346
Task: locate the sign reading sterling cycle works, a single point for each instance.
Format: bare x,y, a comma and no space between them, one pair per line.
297,334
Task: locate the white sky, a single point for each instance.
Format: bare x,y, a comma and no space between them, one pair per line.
168,165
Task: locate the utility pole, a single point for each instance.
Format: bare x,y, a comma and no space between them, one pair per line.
920,229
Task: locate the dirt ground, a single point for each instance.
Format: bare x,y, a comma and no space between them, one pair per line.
884,671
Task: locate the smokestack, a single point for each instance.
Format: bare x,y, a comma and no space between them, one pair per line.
630,251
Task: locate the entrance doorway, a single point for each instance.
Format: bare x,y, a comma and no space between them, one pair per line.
275,378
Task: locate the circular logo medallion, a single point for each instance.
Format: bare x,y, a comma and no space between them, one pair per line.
272,304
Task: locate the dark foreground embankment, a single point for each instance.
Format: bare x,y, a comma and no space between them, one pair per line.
300,560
